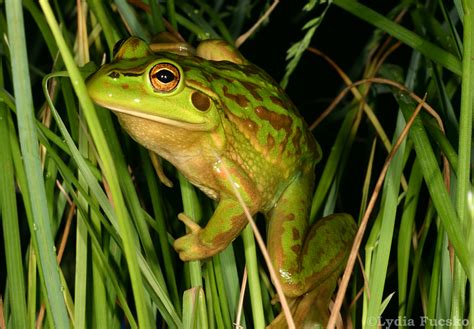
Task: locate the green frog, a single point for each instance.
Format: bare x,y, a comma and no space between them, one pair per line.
229,128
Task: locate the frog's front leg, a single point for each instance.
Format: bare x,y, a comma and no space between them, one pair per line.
307,258
229,218
224,226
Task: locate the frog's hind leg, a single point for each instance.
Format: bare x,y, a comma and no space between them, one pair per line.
307,257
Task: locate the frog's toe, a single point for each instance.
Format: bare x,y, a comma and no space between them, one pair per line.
189,222
190,247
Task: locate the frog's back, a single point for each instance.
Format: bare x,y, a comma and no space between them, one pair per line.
270,140
259,108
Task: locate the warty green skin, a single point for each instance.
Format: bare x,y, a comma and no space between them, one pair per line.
228,125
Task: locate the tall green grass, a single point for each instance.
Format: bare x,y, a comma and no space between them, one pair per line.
87,228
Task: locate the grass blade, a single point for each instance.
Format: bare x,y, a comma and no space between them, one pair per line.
41,227
408,37
11,231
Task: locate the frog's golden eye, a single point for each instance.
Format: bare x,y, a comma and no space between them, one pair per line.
164,77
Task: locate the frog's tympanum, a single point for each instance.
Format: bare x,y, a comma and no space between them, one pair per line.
227,126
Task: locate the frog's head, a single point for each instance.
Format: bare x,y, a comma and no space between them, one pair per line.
156,87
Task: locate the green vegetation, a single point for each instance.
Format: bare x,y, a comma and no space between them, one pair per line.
76,191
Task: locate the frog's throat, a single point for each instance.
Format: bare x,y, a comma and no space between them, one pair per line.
192,126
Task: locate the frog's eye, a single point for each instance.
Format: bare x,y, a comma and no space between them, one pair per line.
164,77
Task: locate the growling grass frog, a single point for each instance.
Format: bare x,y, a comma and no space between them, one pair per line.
226,125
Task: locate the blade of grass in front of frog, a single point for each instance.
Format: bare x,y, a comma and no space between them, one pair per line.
144,313
100,260
21,180
131,198
40,226
158,293
192,209
159,221
251,262
85,272
10,224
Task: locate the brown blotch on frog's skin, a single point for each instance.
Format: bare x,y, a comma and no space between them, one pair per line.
207,76
248,127
278,121
270,142
296,248
200,101
134,43
252,88
125,86
216,77
238,98
296,141
296,234
277,101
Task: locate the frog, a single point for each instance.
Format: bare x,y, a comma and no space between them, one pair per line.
234,133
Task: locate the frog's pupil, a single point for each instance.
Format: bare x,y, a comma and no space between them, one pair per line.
165,76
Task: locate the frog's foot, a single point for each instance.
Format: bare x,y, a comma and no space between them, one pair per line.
191,246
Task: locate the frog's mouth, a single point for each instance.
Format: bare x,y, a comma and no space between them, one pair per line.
192,126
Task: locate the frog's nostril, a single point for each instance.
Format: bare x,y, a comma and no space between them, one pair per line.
114,75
